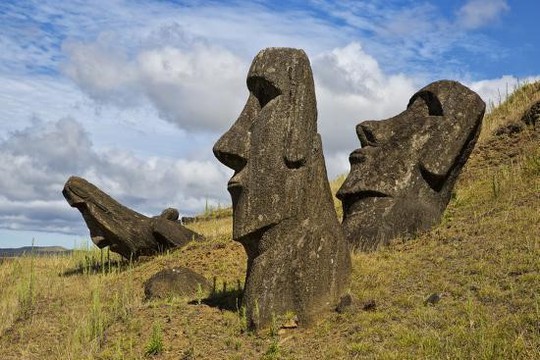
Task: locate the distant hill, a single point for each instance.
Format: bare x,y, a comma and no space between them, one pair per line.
36,250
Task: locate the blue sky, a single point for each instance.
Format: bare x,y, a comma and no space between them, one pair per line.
132,95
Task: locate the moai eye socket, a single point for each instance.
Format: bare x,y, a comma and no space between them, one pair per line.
262,89
429,100
435,181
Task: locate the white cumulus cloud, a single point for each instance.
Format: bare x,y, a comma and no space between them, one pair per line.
198,88
35,163
351,88
477,13
495,91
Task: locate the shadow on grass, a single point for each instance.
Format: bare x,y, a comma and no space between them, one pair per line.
225,299
93,268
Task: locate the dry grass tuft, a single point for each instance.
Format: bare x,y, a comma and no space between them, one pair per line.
509,109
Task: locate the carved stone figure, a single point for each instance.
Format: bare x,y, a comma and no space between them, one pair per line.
283,214
125,231
402,177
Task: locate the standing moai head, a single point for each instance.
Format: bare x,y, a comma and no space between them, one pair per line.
402,177
283,212
272,138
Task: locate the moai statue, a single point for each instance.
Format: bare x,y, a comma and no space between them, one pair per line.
283,213
402,177
125,231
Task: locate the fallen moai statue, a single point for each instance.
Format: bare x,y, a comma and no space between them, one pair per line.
125,231
402,177
283,212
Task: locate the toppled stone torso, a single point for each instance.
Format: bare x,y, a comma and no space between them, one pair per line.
125,231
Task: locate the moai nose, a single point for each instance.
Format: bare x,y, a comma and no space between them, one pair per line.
370,132
231,151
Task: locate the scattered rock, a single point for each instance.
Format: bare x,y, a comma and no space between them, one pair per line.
402,177
432,299
180,282
283,210
188,354
369,305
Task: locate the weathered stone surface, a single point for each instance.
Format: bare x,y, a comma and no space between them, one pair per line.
283,214
125,231
401,179
169,214
179,281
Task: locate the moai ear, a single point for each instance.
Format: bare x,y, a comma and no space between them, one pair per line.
431,100
302,117
452,134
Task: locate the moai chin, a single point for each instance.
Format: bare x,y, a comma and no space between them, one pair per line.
402,177
283,212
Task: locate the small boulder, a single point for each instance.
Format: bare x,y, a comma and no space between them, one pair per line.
170,214
432,299
369,305
179,281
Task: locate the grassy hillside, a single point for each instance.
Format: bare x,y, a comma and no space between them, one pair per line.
482,264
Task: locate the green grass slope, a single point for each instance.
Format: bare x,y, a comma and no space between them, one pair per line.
482,262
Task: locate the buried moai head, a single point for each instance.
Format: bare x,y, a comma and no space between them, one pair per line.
283,214
401,179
